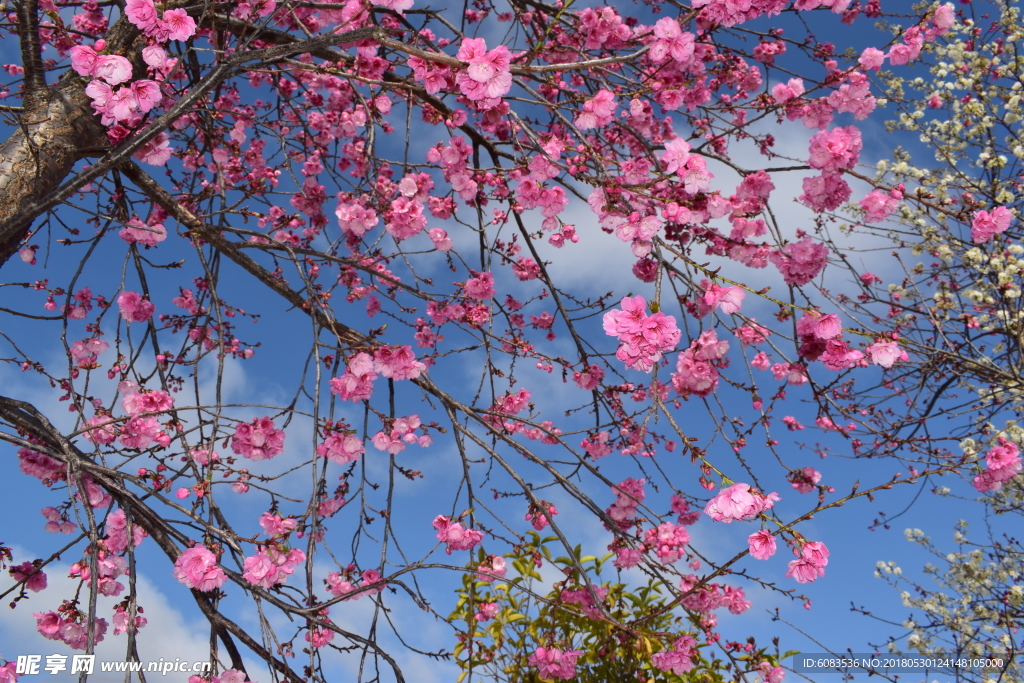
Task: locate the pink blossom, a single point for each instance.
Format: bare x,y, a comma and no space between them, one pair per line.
137,231
886,353
597,111
341,448
783,92
825,192
154,56
480,287
100,430
114,69
836,149
987,225
178,25
487,611
878,206
142,13
148,95
811,563
872,58
554,663
138,402
800,262
804,480
134,308
440,239
839,356
48,624
726,299
677,151
83,59
494,567
761,544
141,432
671,41
455,536
397,362
644,337
356,218
487,74
397,5
35,579
121,624
667,541
259,440
1002,463
157,151
197,568
737,503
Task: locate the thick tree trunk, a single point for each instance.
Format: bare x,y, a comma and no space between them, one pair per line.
37,157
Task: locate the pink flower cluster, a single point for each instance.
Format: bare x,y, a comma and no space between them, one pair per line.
109,567
275,525
137,402
671,42
56,522
116,540
357,382
1002,463
397,362
339,587
137,231
726,299
554,663
35,578
696,372
800,262
271,565
667,541
69,629
121,621
259,440
628,496
175,24
480,287
834,150
739,502
804,480
341,448
761,544
86,351
878,206
810,564
487,75
455,536
540,518
988,224
492,568
885,353
134,308
598,111
402,432
197,568
679,659
644,337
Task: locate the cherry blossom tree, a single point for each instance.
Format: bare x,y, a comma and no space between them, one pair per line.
398,288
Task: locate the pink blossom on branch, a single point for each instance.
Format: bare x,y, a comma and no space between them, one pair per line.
487,74
987,225
644,337
739,502
455,536
258,440
197,568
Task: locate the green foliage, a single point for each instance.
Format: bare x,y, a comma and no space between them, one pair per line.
617,635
